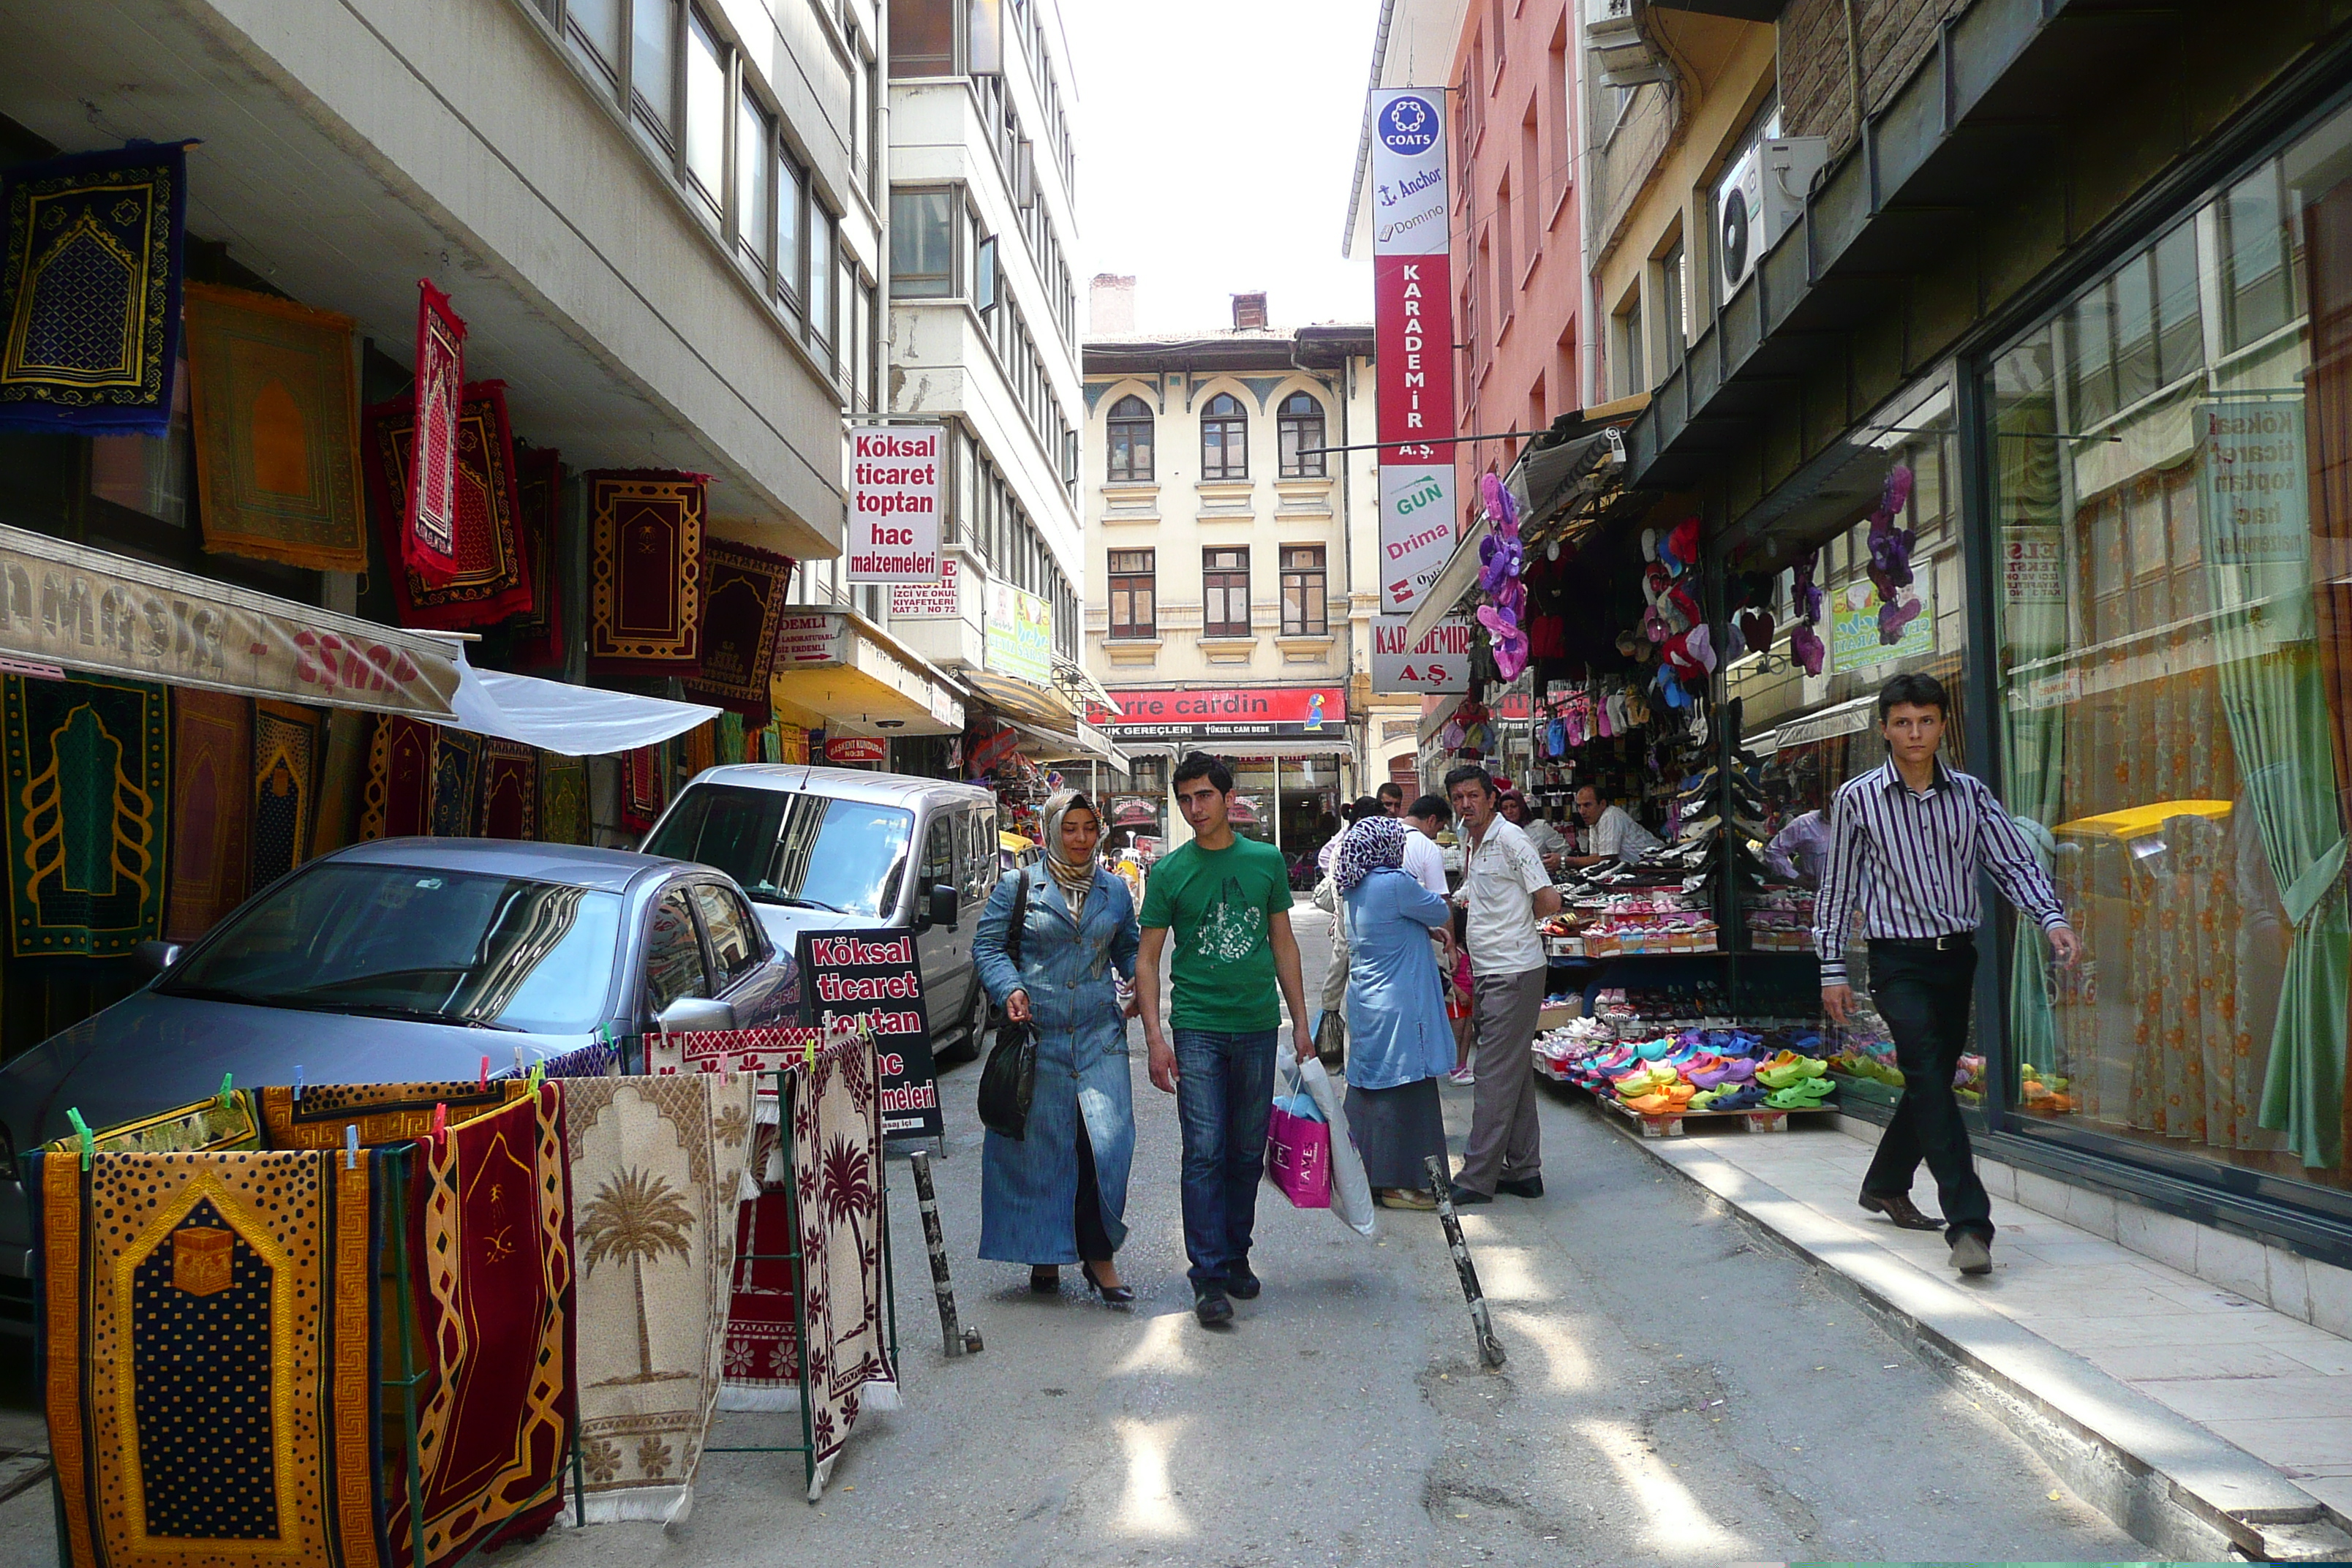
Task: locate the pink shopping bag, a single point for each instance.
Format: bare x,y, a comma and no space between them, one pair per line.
1299,1158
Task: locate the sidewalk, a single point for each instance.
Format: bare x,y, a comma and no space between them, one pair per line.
2199,1419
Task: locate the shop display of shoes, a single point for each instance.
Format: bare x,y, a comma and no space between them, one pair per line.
1691,1070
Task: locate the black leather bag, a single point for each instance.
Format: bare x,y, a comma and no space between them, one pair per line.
1009,1079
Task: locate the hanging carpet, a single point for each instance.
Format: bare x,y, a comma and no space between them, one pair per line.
425,500
212,773
86,774
285,787
399,800
539,488
563,800
644,777
456,782
276,411
491,579
509,791
644,572
90,291
224,1122
743,591
384,1112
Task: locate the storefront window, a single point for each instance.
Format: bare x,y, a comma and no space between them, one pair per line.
1254,806
2172,487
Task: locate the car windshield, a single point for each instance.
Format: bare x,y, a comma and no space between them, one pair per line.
787,848
406,942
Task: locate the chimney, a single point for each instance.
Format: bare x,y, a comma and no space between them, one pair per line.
1249,310
1111,306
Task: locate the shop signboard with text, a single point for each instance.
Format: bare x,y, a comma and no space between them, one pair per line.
1858,628
1019,635
894,504
1413,323
874,978
857,749
928,601
1439,663
2252,479
1247,713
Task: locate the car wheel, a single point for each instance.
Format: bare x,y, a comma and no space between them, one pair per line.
973,1043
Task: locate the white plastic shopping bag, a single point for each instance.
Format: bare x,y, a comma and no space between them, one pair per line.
1352,1195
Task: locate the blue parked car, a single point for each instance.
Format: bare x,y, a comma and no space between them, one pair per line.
400,961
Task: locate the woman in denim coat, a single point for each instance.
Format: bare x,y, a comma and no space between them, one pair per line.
1059,1194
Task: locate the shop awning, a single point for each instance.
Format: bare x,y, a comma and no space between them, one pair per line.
1083,689
1547,479
1082,742
573,721
1453,584
839,671
1019,699
1849,718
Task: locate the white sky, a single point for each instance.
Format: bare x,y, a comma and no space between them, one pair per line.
1216,140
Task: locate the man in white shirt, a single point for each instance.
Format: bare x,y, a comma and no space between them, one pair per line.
1551,848
1422,858
1616,836
1507,893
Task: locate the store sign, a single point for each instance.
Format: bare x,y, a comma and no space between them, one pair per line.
1413,325
1018,636
874,978
1134,810
1439,663
2032,564
810,639
928,601
857,749
2252,480
1854,640
85,610
1257,712
894,504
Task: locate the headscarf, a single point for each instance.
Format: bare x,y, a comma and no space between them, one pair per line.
1373,843
1074,877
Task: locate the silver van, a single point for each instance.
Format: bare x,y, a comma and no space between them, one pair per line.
819,849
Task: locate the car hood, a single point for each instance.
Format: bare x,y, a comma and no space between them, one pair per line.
784,922
151,1052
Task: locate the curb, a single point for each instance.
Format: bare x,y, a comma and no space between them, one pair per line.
2171,1483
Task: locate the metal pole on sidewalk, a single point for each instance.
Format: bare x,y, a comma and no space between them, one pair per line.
1490,1348
958,1339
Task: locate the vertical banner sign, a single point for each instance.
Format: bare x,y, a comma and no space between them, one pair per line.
894,504
1413,320
872,977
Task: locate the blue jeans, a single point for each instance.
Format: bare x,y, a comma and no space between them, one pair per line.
1224,1092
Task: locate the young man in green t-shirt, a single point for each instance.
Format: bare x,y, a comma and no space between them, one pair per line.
1227,898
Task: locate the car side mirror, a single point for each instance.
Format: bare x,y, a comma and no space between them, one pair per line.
943,905
694,1016
158,956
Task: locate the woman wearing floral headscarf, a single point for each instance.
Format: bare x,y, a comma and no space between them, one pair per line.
1398,1039
1059,1194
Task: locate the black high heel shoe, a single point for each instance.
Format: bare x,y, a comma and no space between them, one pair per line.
1112,1295
1045,1280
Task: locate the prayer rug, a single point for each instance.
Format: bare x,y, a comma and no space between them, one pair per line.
457,781
212,779
509,791
658,1168
539,487
644,781
285,787
563,799
729,738
743,593
698,748
601,1059
399,799
491,1226
644,572
384,1112
426,495
491,579
86,774
90,291
208,1364
224,1122
276,409
342,780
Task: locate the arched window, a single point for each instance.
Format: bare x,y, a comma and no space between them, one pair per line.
1130,440
1299,429
1224,440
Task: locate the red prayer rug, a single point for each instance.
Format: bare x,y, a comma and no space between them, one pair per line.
212,772
427,495
490,579
399,800
539,487
644,572
509,791
491,1228
743,591
645,778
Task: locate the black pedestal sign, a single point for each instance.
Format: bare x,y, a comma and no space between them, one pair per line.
874,978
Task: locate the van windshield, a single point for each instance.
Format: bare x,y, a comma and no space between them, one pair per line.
786,848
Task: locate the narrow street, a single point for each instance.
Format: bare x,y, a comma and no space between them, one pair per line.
1677,1389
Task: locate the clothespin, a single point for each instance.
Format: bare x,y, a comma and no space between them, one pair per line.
484,1084
298,1083
440,1118
538,1076
81,1131
521,1067
228,1090
351,1146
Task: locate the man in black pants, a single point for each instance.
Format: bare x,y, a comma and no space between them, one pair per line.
1907,843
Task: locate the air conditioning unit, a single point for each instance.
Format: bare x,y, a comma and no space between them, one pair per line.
1610,23
1758,199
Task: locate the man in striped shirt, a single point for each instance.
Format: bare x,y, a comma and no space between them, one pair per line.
1907,843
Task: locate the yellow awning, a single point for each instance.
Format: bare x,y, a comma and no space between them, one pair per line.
1018,697
837,672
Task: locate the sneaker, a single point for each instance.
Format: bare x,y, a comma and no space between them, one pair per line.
1211,1307
1462,1075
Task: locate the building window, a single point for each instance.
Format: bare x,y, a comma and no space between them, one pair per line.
1133,592
1224,440
595,29
1299,434
1224,593
792,213
1628,350
923,243
652,62
1130,440
705,112
1673,331
922,37
754,164
2259,252
823,249
1303,612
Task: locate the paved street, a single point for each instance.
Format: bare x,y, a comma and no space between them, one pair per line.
1675,1390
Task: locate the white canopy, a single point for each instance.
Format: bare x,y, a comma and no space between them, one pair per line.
574,721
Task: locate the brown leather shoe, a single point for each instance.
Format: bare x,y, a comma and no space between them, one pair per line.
1899,1207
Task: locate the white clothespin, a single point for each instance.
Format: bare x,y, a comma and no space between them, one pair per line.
351,1146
